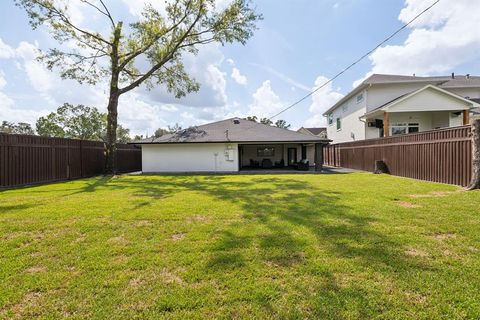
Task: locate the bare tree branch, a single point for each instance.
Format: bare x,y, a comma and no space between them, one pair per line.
65,19
108,13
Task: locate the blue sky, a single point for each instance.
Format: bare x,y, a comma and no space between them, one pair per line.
298,45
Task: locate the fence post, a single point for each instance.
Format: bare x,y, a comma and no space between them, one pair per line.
475,182
81,159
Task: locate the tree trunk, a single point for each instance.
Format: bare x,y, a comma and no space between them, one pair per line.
111,148
475,183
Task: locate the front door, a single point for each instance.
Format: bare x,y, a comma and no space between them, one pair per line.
292,156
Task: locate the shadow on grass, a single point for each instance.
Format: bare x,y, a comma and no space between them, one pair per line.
284,221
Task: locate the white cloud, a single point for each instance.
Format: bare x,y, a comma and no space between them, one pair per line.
238,77
205,68
265,101
321,101
168,108
6,51
325,97
442,39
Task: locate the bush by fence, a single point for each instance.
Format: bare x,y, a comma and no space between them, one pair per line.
440,155
31,159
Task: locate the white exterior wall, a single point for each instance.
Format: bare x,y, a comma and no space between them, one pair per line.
189,157
349,113
379,94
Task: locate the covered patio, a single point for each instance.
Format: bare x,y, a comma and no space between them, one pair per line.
280,156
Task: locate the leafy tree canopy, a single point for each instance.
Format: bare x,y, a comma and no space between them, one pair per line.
78,122
19,128
279,123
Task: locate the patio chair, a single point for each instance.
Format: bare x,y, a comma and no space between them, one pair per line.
267,163
303,165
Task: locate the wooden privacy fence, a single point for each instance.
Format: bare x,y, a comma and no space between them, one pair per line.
31,159
443,155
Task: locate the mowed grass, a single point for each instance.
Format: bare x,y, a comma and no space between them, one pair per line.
346,246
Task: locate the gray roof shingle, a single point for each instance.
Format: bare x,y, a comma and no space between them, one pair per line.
316,131
233,130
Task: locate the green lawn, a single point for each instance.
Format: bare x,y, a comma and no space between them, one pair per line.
346,246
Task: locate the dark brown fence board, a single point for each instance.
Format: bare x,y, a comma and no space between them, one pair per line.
28,160
439,155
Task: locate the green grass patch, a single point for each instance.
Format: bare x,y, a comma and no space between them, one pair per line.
346,246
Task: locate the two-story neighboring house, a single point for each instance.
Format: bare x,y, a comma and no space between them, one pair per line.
385,105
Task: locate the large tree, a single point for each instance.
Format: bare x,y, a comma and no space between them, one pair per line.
157,40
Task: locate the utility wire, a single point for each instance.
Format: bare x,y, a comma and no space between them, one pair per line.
356,61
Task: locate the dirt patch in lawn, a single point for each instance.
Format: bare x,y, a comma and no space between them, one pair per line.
416,253
170,277
178,236
444,236
409,205
196,218
36,269
118,240
144,223
30,300
436,194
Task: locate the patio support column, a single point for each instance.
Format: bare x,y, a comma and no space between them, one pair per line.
386,124
318,157
466,117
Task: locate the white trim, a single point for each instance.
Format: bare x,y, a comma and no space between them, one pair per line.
408,96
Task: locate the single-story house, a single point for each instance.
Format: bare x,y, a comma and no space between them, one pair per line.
230,146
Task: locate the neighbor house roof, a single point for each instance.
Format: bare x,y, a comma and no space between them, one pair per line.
403,97
315,131
458,81
232,130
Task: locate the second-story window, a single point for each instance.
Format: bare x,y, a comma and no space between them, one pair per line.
339,124
360,98
330,119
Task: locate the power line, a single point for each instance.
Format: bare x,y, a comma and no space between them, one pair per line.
356,61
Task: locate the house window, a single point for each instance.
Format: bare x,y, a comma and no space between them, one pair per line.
345,107
360,98
404,128
339,123
330,119
265,151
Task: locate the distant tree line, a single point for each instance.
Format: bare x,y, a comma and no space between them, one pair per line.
69,121
88,123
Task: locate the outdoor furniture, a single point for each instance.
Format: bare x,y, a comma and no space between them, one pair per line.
267,163
254,163
280,164
303,165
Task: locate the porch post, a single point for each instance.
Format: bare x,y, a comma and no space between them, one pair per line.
386,124
318,157
466,117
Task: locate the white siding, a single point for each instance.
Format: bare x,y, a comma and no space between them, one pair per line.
429,100
189,157
379,94
349,113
